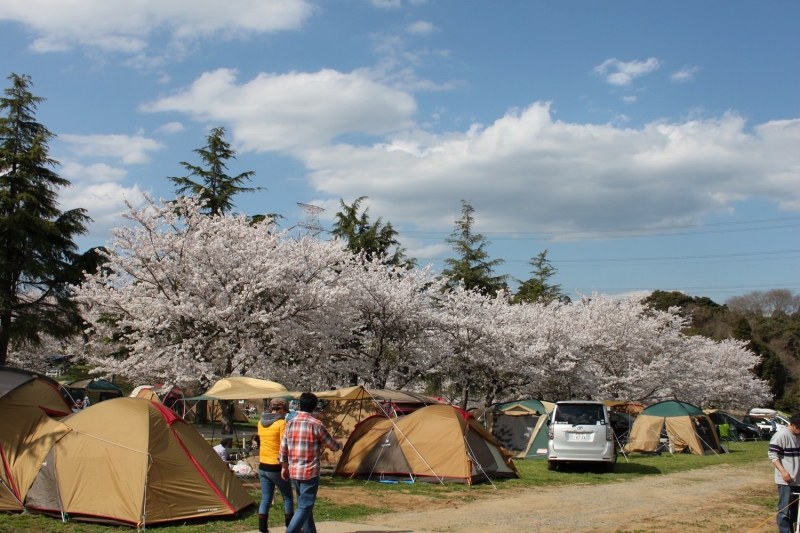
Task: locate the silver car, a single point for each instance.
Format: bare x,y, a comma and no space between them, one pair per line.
579,431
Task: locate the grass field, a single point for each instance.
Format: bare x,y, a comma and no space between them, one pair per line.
533,474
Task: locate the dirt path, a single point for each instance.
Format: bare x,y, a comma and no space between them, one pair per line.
716,498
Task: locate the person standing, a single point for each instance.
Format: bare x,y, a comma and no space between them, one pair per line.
299,457
784,453
271,429
86,401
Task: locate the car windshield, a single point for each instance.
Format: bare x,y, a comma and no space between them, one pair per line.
580,414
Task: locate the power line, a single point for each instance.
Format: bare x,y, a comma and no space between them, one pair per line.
631,232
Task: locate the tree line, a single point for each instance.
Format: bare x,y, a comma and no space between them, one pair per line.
189,291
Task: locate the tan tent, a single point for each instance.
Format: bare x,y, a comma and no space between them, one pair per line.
133,462
686,426
436,443
26,438
20,388
240,388
346,408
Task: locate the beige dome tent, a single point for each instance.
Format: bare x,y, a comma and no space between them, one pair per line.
436,443
24,388
686,426
27,436
133,462
27,401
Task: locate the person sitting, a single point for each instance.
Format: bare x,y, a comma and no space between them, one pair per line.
222,448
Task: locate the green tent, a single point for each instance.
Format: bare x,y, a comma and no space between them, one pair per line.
682,425
673,408
97,389
520,427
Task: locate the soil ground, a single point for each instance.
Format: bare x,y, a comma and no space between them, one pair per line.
715,498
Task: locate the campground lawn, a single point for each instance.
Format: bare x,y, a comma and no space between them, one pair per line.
348,500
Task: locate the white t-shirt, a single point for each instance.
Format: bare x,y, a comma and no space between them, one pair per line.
221,451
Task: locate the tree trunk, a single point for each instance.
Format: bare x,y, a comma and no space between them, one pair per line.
5,337
226,412
464,395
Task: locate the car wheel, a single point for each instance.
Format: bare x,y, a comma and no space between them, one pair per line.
551,465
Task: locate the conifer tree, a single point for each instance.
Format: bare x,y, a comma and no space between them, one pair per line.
36,238
472,266
214,186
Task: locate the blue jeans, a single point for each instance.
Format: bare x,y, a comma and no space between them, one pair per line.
306,490
786,517
270,480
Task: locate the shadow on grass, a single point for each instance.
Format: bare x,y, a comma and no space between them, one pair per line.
635,468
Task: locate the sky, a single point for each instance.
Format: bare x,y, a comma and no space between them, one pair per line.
644,145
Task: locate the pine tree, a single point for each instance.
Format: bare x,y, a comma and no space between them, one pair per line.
472,266
214,187
373,239
537,289
36,238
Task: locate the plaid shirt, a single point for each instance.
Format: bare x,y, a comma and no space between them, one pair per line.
301,443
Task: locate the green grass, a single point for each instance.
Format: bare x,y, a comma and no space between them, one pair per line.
533,473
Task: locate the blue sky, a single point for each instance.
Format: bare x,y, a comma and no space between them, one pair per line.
645,145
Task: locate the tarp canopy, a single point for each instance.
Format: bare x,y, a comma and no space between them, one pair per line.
240,388
673,408
99,385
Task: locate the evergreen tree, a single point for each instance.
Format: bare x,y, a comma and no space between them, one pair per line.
373,239
214,187
537,289
473,266
36,238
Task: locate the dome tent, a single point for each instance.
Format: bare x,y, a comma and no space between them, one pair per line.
133,462
519,426
24,388
686,426
436,443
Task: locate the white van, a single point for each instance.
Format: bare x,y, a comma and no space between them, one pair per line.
579,431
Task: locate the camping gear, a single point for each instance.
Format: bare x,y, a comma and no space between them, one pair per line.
686,426
20,388
27,436
435,444
133,462
520,427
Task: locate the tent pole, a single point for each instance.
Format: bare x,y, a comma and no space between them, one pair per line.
472,456
441,480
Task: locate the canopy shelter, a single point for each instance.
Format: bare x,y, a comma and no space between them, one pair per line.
435,443
685,426
520,426
241,388
22,388
98,390
133,462
346,408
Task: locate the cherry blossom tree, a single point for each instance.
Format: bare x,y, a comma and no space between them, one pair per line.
194,298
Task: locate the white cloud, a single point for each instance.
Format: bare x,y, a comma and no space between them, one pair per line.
127,26
683,75
97,173
420,27
170,128
293,111
631,98
103,201
386,4
127,149
528,171
621,73
525,170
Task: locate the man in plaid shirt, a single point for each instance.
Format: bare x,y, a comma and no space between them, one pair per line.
299,457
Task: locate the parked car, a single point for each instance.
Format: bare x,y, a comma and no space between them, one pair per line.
580,431
744,431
